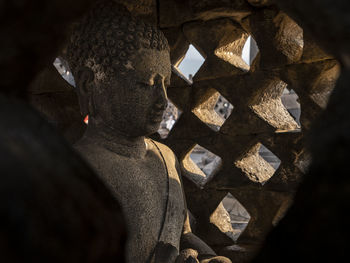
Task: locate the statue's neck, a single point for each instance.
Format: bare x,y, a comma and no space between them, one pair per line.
116,141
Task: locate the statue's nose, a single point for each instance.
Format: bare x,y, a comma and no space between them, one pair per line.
162,93
159,82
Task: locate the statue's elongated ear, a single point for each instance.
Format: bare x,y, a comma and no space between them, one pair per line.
84,84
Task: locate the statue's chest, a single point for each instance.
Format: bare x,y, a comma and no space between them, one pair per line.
147,181
142,188
150,193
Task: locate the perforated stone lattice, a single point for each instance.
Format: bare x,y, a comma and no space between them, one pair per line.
170,117
261,142
200,165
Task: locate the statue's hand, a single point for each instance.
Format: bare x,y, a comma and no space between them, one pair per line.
191,256
187,256
216,259
198,250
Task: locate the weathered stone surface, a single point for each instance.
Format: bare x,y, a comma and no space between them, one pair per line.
262,215
313,83
320,200
145,9
287,60
279,38
128,105
312,51
178,44
221,42
260,3
216,260
215,35
287,54
188,256
329,25
175,13
125,96
254,166
221,227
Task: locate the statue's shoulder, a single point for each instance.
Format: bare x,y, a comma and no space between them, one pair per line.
167,154
162,148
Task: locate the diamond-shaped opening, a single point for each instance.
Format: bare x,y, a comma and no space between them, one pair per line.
259,164
170,117
269,157
290,101
63,68
201,165
213,110
223,107
230,217
250,50
191,63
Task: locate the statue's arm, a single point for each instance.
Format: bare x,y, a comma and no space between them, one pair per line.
190,241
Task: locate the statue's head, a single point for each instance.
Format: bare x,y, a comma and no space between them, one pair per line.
121,68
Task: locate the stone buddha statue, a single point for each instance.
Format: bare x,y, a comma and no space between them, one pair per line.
122,68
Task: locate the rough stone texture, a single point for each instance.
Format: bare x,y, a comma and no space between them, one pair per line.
329,25
260,3
287,58
226,40
144,9
121,84
178,44
316,227
290,53
318,219
188,256
174,13
280,39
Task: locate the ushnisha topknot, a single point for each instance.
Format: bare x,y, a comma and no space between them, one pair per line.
108,38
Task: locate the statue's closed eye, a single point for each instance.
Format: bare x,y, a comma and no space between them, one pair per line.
146,85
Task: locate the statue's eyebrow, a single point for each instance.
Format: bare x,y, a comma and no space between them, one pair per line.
149,81
144,81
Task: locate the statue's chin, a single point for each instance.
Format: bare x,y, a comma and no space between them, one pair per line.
146,130
153,127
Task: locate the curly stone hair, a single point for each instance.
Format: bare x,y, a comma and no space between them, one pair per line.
107,38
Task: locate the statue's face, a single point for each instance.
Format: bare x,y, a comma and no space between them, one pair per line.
134,103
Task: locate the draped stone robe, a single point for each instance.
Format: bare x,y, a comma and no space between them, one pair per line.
151,195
